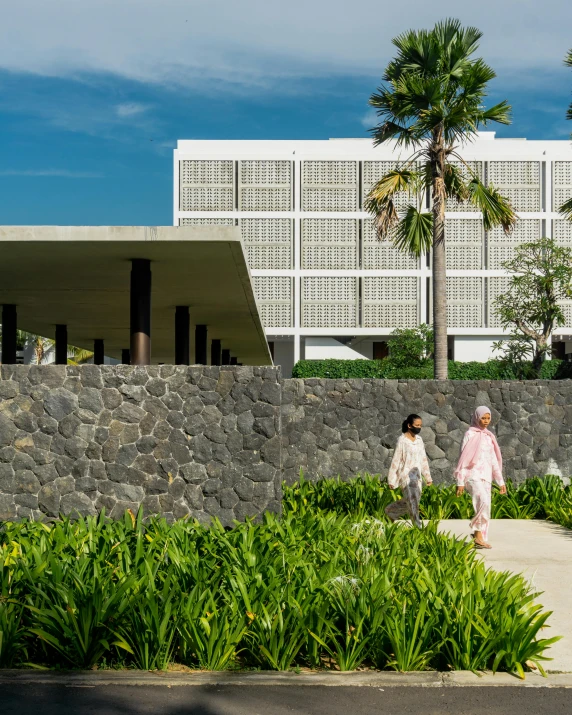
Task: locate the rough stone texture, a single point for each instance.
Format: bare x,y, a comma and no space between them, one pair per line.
176,440
209,441
332,427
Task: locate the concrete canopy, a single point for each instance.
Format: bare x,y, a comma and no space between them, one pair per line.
80,277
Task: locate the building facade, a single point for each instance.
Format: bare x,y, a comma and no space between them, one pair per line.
326,287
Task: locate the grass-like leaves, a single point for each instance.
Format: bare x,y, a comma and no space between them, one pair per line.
329,584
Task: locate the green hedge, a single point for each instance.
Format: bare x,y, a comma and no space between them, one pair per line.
384,369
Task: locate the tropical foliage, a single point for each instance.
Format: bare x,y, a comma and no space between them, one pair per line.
366,495
431,103
540,280
327,585
385,369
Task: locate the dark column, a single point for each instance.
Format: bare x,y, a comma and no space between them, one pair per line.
98,352
140,311
61,344
182,335
200,344
233,361
225,359
9,322
125,357
215,352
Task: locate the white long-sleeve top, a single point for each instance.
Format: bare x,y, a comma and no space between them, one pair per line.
486,466
409,461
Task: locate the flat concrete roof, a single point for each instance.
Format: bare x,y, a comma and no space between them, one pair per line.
80,276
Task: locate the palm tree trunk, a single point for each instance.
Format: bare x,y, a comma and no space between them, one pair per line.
439,258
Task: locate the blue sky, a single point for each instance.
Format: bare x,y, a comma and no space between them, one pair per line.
94,95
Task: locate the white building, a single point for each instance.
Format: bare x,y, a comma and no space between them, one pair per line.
326,286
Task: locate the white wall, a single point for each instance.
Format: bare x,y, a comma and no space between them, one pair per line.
284,355
475,348
328,348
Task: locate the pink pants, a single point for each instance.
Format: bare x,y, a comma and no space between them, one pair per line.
480,491
409,504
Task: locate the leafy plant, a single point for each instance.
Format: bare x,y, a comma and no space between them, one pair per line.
431,102
540,279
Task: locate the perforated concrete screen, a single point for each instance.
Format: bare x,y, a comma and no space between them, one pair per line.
389,301
329,301
519,181
501,245
382,255
464,243
268,242
274,299
265,185
562,182
330,243
330,185
496,285
465,304
318,267
562,231
207,185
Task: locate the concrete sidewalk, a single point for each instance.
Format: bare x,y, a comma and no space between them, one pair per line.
542,552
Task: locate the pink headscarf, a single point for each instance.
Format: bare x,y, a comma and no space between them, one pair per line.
473,445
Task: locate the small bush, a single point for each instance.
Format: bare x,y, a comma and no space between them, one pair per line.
387,370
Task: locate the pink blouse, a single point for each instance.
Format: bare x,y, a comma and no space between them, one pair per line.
409,461
486,466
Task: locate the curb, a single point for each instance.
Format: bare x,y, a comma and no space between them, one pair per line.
456,679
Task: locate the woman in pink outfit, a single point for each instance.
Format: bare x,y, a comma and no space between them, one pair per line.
480,462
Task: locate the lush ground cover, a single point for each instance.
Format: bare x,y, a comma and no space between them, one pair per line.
314,588
387,369
538,498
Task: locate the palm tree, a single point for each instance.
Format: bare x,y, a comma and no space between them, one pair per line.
566,208
432,102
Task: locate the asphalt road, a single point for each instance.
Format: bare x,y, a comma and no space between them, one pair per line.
280,700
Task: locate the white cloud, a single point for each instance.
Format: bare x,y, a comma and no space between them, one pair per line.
257,43
370,119
63,173
130,109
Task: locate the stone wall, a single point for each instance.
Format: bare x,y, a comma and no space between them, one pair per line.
197,441
332,427
211,441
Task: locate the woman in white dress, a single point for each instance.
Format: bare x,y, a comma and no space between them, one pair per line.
480,462
409,467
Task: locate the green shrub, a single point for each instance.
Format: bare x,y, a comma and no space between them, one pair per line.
387,370
323,585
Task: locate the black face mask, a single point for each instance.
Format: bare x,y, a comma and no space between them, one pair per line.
415,430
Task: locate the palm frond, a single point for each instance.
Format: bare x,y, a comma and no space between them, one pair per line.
455,183
496,209
568,59
414,232
566,209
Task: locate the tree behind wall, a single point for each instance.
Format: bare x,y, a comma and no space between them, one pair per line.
541,278
431,102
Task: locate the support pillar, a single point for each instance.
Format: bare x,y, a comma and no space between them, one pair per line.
200,344
182,354
9,328
140,311
61,344
225,359
98,355
125,357
215,352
